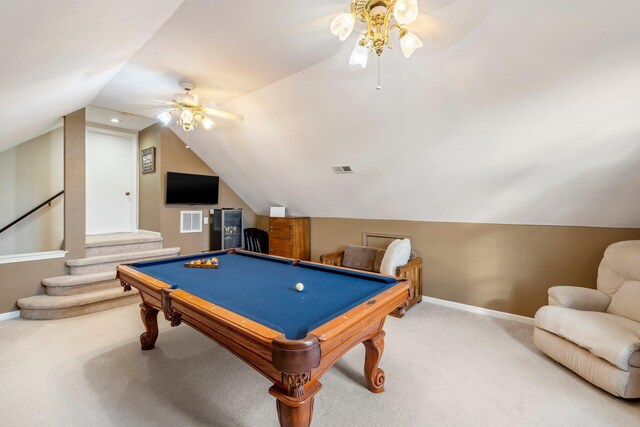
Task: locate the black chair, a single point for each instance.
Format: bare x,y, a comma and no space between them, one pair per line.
256,240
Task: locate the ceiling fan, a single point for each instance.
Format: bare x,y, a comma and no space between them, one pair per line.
189,111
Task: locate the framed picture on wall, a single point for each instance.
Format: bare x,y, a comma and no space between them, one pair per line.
148,159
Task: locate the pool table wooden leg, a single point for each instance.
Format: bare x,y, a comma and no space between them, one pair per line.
373,374
297,385
149,317
295,411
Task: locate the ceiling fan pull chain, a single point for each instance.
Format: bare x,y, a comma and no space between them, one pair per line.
379,87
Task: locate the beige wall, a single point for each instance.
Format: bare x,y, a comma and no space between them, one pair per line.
22,279
173,156
75,209
500,267
149,185
30,173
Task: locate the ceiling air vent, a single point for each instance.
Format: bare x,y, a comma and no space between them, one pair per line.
342,169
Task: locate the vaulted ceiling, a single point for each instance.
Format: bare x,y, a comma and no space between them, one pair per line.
58,55
521,112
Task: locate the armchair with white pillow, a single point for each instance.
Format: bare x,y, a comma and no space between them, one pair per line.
397,260
596,333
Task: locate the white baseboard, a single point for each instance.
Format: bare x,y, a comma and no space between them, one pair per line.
479,310
35,256
10,315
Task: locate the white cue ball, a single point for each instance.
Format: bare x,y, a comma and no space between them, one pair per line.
299,287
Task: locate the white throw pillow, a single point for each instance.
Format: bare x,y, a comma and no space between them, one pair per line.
397,254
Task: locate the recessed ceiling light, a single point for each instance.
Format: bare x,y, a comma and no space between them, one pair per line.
114,120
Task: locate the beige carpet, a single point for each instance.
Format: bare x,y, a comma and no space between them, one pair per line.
444,368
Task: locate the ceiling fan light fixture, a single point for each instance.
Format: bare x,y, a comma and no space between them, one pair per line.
186,116
409,43
342,25
164,117
187,127
380,17
405,11
360,54
207,123
191,112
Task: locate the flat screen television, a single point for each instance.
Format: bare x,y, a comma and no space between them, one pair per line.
189,189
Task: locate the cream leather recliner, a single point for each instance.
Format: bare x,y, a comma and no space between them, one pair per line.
596,333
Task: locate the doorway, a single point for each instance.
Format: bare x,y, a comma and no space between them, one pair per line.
111,182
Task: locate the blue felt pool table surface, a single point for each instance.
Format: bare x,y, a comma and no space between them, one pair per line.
262,288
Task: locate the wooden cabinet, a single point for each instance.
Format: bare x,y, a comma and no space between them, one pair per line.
289,237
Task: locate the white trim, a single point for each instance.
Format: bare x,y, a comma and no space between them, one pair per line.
9,315
135,190
369,234
35,256
479,310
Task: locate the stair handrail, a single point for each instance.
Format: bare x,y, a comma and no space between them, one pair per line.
46,202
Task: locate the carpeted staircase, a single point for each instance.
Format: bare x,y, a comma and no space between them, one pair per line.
91,284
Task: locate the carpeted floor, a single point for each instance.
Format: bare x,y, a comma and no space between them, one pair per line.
444,367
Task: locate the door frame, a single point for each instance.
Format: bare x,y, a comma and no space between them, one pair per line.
134,167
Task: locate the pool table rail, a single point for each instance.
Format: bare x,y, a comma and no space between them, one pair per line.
248,340
359,324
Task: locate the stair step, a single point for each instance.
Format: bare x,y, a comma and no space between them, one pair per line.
122,246
79,280
104,263
73,285
121,239
47,307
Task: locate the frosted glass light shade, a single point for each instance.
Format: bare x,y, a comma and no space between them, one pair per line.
342,25
409,43
360,55
164,117
207,123
406,11
186,116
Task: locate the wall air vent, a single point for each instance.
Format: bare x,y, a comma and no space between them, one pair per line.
190,221
342,169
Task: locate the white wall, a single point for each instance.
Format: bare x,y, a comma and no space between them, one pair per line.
30,173
528,116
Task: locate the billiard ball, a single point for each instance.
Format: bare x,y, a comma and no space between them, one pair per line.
299,287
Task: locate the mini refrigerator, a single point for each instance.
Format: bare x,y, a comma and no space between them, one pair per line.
227,229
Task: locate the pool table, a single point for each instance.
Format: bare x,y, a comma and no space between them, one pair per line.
250,306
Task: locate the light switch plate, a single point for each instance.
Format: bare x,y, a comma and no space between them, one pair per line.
206,220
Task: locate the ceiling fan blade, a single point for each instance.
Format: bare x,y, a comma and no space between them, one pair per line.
150,103
224,114
160,102
144,109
